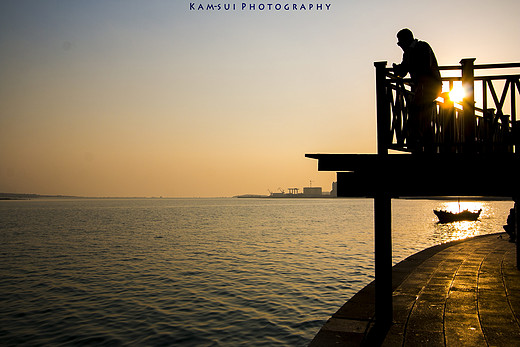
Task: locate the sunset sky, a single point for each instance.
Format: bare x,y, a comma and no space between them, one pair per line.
150,98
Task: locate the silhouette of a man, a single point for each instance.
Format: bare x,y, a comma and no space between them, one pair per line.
420,62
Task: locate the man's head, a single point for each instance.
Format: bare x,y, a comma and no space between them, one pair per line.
404,38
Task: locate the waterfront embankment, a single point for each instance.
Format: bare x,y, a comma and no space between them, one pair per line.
463,293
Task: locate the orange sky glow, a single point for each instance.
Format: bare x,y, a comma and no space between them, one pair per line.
133,98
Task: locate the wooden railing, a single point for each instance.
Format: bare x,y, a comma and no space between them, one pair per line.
466,127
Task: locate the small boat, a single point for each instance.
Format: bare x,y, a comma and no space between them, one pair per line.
448,217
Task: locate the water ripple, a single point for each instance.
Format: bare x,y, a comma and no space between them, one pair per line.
193,272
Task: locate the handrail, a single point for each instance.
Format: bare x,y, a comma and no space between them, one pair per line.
470,129
477,66
497,66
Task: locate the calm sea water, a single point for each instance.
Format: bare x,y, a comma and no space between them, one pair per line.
197,272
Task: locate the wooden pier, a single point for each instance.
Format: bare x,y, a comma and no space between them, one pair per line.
472,149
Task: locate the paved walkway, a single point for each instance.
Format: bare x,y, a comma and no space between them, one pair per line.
463,293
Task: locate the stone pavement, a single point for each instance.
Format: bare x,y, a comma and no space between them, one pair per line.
462,293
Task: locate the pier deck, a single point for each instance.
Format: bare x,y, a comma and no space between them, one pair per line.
462,293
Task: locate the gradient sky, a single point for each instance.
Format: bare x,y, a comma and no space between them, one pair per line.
148,98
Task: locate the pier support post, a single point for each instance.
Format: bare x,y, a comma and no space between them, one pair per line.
383,260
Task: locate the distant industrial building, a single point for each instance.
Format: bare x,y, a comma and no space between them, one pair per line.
308,192
334,191
312,191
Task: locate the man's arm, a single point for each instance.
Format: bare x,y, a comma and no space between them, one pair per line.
402,69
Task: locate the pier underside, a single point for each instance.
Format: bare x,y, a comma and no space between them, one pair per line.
409,175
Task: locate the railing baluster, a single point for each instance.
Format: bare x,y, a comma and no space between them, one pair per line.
484,95
513,100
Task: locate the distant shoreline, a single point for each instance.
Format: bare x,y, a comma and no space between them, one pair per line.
450,198
16,196
19,196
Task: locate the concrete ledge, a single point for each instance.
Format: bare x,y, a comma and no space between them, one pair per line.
461,292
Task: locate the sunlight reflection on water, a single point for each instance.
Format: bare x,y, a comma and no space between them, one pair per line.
458,230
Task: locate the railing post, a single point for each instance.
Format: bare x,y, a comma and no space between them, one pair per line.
513,102
383,110
468,103
513,130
